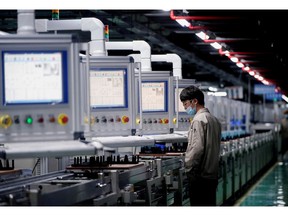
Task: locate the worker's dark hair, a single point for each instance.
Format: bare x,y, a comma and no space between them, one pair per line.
285,112
192,92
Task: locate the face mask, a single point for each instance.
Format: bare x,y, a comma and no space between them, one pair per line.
191,111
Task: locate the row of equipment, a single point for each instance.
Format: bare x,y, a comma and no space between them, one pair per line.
155,176
104,130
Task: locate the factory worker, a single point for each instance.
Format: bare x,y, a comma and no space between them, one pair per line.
284,133
202,153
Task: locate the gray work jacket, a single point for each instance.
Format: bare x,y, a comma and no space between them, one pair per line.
204,138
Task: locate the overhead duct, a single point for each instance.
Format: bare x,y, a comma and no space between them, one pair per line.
170,58
95,26
3,33
26,22
137,59
137,45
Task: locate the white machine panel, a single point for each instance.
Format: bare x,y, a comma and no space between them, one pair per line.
110,103
39,95
154,112
223,111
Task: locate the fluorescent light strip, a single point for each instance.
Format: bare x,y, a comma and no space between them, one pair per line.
202,35
285,98
234,59
216,45
183,22
240,64
218,94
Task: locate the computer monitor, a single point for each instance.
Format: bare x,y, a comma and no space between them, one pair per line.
34,77
154,96
108,88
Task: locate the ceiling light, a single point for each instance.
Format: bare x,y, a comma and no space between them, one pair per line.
216,45
202,35
252,73
183,22
213,89
218,94
224,51
285,98
246,68
240,64
227,53
234,59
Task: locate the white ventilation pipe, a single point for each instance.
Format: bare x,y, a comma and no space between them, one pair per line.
26,22
3,33
137,59
136,45
171,58
95,26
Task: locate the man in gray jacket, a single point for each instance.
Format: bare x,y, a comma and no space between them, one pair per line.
202,153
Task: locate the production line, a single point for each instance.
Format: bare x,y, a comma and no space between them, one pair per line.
155,176
100,181
117,130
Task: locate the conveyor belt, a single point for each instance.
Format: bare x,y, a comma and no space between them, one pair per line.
109,167
13,184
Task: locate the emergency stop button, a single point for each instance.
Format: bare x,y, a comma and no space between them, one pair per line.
125,119
63,119
165,121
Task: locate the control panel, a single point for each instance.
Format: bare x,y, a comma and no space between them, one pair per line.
39,99
154,102
109,102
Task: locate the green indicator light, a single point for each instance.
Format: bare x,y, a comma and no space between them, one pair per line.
29,120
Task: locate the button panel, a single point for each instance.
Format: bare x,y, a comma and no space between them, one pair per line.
110,123
31,122
108,119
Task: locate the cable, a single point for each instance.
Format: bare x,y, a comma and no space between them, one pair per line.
37,162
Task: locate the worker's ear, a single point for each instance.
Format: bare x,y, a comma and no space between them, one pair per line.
195,101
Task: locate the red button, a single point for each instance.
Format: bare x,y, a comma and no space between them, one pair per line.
65,119
40,120
125,119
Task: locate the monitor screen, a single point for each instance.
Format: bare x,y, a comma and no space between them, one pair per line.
34,77
108,88
177,100
154,96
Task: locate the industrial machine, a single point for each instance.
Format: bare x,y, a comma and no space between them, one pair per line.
108,93
116,132
153,93
39,95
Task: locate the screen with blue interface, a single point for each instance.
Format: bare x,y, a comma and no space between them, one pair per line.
34,77
108,88
154,96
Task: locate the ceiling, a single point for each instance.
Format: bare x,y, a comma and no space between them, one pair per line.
256,37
